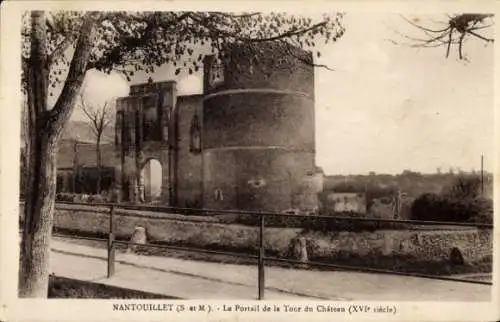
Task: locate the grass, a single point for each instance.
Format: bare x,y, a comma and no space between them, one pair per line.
60,287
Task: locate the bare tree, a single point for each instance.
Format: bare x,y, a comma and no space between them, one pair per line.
465,187
452,31
99,117
60,47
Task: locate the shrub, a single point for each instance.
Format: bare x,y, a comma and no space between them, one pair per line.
66,197
314,223
75,197
380,210
96,199
435,207
484,214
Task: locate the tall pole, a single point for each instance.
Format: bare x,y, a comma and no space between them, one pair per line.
260,269
75,165
482,175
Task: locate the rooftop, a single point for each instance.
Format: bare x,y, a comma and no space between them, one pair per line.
85,154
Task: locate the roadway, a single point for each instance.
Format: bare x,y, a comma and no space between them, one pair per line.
192,279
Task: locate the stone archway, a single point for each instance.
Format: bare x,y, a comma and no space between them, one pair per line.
151,181
456,256
144,131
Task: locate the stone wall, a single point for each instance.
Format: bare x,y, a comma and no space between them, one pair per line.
426,245
143,132
258,133
188,163
192,230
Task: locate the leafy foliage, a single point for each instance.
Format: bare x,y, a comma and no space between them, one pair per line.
412,183
142,41
462,202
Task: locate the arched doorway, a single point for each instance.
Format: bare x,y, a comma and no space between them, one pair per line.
151,180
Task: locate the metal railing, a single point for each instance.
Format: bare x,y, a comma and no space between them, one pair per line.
261,256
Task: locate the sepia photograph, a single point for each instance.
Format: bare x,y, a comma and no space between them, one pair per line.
244,157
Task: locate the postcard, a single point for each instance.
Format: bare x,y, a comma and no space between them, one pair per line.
242,161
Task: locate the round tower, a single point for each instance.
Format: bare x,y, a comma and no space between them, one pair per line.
258,130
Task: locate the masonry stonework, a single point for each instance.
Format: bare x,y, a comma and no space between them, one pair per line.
258,133
247,142
424,245
143,130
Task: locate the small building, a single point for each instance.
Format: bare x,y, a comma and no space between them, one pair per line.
77,170
346,202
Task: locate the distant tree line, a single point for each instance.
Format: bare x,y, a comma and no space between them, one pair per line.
435,197
413,184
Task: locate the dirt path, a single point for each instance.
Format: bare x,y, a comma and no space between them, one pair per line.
204,280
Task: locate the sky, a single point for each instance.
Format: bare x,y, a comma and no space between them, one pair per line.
386,107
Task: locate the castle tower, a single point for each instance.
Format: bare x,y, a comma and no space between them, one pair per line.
258,138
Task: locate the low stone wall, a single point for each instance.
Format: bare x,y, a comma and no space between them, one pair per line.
170,228
425,245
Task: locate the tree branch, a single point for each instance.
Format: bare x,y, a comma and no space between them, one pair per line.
225,34
480,27
424,28
244,15
303,60
459,25
98,116
480,37
86,110
287,34
436,38
60,49
64,105
460,44
424,42
449,43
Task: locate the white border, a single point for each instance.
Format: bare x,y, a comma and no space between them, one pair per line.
13,309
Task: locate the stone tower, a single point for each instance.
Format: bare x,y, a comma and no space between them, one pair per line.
258,131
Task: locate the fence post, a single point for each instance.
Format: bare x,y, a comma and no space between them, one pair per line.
261,258
111,244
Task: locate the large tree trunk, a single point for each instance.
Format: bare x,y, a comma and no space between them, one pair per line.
45,130
38,216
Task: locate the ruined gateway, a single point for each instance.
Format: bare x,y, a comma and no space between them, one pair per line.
247,142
